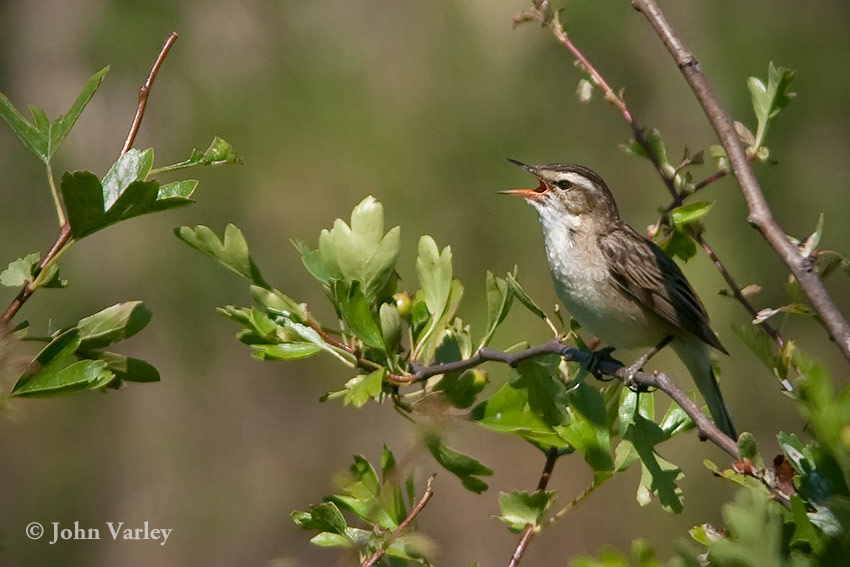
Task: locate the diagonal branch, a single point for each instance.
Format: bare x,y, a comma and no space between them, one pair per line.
426,496
760,215
145,91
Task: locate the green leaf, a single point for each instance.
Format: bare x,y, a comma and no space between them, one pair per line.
656,145
20,271
430,339
681,216
308,334
588,430
507,411
769,100
328,539
640,435
354,308
547,393
285,351
131,167
324,517
361,252
678,244
54,377
312,260
85,201
81,375
524,297
462,466
500,297
434,269
390,326
753,533
113,324
520,509
231,252
748,449
280,303
219,152
45,137
359,389
125,368
363,495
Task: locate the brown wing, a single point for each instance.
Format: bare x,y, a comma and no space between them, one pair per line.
645,272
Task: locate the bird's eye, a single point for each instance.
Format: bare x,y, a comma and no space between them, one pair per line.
565,184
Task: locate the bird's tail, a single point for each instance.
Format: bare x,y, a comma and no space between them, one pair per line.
695,354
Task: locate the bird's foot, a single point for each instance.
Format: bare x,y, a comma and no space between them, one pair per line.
629,380
597,358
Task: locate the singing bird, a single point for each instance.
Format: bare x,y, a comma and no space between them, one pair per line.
617,284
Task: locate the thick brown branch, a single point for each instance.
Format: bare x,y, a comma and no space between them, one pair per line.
760,215
529,532
145,90
426,496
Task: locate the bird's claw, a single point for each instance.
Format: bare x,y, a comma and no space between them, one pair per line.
630,381
597,357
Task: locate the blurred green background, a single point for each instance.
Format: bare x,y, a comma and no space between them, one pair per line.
418,104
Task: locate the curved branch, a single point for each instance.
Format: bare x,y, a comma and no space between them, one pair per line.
760,215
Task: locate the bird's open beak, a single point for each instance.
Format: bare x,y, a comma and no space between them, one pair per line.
530,194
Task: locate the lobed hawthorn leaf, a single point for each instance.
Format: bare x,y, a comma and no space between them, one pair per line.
231,251
521,509
361,388
45,136
83,196
588,431
507,411
361,251
547,394
20,271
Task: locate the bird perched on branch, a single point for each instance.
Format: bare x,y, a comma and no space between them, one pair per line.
617,284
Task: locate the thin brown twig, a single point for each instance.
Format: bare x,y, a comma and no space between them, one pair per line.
423,501
529,532
27,289
65,237
736,291
145,90
543,13
760,215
